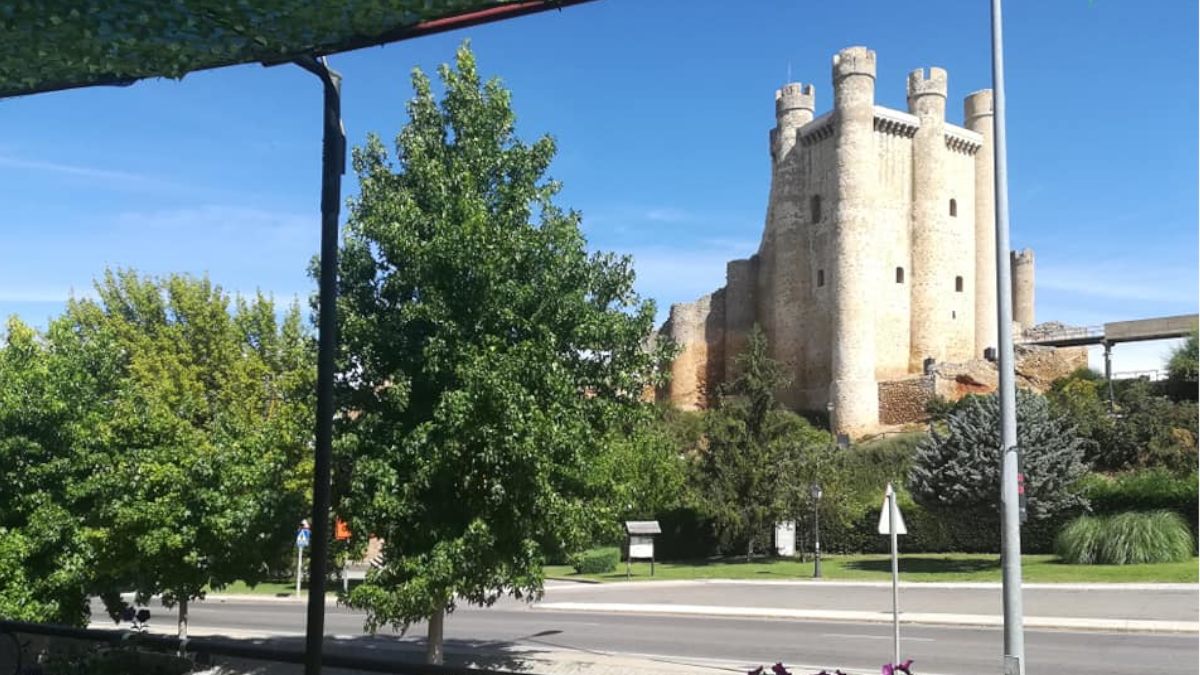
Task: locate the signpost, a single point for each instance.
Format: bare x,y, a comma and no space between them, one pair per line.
640,535
891,523
302,538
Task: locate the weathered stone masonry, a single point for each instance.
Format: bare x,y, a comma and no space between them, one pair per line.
878,251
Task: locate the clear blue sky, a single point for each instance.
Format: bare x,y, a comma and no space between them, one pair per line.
661,111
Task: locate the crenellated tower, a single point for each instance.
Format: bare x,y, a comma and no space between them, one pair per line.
978,116
1022,287
932,277
878,253
855,272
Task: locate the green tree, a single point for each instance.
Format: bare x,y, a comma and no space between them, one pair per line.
198,451
45,556
956,472
1141,429
760,458
488,359
1183,369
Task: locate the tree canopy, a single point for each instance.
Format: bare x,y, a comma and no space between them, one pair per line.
172,427
958,469
760,459
488,359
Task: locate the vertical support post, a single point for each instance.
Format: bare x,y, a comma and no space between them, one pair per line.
333,165
891,495
1108,374
1010,542
817,539
299,566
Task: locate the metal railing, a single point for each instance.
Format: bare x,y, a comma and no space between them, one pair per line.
11,648
1034,335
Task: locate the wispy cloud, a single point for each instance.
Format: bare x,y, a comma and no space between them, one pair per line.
41,295
125,179
665,214
1122,281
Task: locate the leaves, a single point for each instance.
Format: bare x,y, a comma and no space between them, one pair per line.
61,43
165,431
958,470
759,459
491,363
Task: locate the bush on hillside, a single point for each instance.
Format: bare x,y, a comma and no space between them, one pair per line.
956,473
1125,539
597,561
1146,490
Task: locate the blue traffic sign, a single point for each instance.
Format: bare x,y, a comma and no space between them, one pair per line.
302,537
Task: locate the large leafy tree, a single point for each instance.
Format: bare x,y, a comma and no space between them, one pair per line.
956,472
45,557
760,458
487,360
197,448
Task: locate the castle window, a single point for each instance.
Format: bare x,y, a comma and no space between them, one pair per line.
899,275
958,285
953,314
820,278
814,206
953,208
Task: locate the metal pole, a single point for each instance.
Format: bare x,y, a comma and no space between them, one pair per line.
1014,633
817,538
891,495
1108,373
299,564
333,165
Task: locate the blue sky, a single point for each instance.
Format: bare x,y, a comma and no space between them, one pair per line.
661,111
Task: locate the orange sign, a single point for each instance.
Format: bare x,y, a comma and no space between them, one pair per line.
341,531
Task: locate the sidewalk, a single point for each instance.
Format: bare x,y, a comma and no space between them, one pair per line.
1169,608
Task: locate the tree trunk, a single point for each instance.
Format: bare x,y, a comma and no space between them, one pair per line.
183,609
433,646
749,548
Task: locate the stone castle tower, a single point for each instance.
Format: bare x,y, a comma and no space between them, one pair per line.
879,250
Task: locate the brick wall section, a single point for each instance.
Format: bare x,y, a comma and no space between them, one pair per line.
903,401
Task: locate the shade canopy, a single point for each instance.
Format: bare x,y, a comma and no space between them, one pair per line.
63,44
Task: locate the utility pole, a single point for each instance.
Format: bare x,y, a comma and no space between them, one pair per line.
1014,631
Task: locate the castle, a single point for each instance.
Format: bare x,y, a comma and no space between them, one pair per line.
879,251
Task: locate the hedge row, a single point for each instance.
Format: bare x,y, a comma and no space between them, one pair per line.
688,534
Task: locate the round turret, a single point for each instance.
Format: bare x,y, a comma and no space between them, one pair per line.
1023,288
977,104
853,61
927,91
795,97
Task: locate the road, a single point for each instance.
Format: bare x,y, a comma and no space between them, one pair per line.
734,643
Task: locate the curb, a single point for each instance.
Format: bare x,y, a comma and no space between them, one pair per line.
857,616
953,585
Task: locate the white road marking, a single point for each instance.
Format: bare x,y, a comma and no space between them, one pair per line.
876,637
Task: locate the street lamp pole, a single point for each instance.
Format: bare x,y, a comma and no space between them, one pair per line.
1010,542
816,495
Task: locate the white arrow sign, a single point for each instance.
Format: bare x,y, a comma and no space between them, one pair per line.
884,523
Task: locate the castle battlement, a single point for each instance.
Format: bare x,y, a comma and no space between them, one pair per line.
878,251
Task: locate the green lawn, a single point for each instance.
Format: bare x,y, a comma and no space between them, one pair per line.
277,588
913,567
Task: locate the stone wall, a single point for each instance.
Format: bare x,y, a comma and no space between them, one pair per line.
698,330
903,401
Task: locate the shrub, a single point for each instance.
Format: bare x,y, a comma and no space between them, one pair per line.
597,560
1126,538
956,473
1146,490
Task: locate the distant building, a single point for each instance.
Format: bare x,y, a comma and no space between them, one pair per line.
879,250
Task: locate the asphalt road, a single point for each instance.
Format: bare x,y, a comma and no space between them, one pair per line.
936,650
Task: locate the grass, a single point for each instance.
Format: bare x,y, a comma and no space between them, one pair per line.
276,588
1126,538
913,567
